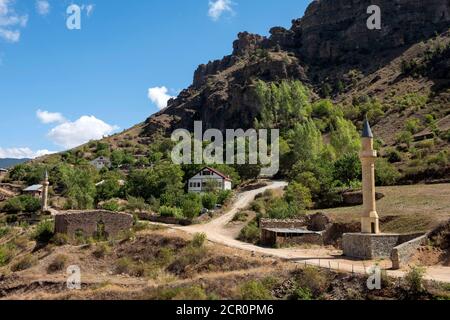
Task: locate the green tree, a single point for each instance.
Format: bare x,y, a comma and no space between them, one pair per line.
347,168
298,195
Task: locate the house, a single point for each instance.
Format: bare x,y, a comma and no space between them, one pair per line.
34,190
3,172
101,162
199,182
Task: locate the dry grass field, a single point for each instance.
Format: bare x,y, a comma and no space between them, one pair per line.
414,208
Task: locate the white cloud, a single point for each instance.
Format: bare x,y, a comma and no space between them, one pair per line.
43,7
159,96
22,153
10,22
218,7
72,134
50,117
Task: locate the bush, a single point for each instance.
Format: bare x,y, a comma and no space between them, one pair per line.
6,254
254,290
101,251
302,294
209,201
405,137
22,204
224,196
60,239
44,231
250,233
298,195
386,174
111,205
313,279
347,168
191,208
171,212
4,231
414,280
57,264
199,240
25,263
393,156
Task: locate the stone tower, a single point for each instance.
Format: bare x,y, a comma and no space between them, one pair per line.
370,220
44,199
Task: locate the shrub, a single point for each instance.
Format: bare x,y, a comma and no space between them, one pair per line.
393,156
386,174
22,204
250,233
44,231
224,196
6,254
347,168
191,208
298,195
4,231
303,294
313,279
60,239
101,251
111,205
209,201
280,209
413,126
123,266
25,263
414,280
57,264
165,211
240,216
254,290
405,137
13,205
199,240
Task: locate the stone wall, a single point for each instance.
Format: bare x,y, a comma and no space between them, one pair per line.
375,246
271,238
368,246
283,224
87,222
402,254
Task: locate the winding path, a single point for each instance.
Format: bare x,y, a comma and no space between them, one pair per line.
219,231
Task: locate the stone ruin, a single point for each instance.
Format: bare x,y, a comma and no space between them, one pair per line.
93,223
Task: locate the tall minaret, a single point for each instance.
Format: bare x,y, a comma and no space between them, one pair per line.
370,220
44,199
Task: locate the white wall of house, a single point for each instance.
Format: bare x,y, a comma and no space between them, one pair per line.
199,181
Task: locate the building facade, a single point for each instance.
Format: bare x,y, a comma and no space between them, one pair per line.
207,178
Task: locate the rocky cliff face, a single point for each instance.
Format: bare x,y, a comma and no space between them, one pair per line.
330,40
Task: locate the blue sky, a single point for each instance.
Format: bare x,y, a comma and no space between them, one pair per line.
61,87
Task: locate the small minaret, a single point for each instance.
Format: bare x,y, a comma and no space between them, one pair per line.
44,199
370,220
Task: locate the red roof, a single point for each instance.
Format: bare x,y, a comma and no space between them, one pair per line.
220,174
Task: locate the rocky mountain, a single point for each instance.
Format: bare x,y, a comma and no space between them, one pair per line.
331,47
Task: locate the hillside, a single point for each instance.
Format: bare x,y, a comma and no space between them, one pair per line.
8,162
399,76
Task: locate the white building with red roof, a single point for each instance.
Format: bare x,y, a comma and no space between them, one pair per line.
205,177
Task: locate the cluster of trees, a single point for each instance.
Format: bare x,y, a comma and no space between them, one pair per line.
319,147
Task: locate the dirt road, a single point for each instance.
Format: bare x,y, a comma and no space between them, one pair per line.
219,231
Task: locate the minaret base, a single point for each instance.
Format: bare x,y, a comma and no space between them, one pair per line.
371,224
